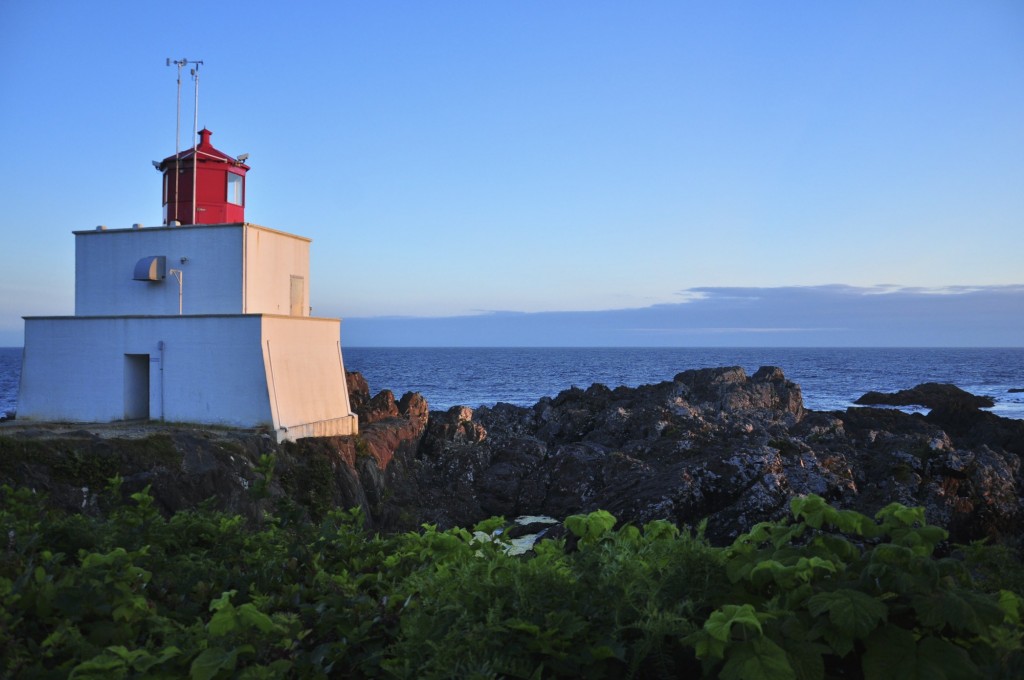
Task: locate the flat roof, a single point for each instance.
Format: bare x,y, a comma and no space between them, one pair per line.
102,317
162,227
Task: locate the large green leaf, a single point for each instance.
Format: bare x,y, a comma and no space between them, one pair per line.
719,624
1010,603
251,617
852,522
660,529
757,659
101,667
211,662
811,509
591,527
806,659
145,663
893,652
223,622
958,609
940,658
851,611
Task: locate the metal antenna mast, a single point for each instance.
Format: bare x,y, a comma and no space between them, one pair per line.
177,134
177,138
195,134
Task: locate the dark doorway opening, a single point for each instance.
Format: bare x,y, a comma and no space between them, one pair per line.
136,387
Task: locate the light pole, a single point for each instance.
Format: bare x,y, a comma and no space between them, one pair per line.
177,274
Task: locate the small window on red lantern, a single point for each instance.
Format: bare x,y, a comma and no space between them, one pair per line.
235,193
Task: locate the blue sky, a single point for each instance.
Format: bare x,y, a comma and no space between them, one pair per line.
544,163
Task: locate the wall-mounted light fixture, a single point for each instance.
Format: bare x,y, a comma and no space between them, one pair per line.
177,274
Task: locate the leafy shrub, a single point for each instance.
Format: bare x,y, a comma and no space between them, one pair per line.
830,593
837,593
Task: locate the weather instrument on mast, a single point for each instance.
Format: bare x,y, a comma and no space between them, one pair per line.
181,63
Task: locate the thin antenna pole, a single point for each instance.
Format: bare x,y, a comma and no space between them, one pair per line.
195,133
177,145
177,137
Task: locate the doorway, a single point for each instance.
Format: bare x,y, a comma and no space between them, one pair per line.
298,293
136,387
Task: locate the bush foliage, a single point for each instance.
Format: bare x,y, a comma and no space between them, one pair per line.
829,593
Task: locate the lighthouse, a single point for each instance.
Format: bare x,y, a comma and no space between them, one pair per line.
202,319
215,180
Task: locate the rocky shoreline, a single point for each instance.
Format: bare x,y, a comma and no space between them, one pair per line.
710,443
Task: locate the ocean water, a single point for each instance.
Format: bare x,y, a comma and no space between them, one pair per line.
831,378
10,374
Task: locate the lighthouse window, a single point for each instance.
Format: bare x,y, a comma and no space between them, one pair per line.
235,189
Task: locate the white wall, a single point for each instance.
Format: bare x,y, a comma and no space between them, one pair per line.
271,259
74,369
212,276
306,376
283,373
229,269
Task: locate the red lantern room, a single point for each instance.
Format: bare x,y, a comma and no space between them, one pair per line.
219,185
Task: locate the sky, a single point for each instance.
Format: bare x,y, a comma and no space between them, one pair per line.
552,173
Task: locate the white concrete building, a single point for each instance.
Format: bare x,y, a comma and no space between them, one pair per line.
207,323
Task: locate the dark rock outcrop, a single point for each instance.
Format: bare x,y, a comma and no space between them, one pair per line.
715,443
182,466
185,466
929,395
710,443
958,413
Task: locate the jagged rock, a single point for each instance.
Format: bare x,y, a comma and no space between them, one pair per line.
929,395
414,407
358,391
182,466
711,443
185,466
959,413
381,407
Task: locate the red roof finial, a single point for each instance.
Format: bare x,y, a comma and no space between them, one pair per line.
204,138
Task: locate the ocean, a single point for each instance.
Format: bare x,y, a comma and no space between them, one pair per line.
831,378
10,374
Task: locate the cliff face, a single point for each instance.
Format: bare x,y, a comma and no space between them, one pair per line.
712,443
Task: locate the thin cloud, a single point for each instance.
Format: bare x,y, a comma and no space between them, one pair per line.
690,295
828,315
730,329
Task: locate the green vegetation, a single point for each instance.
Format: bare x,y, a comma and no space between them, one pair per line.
830,593
90,463
309,481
